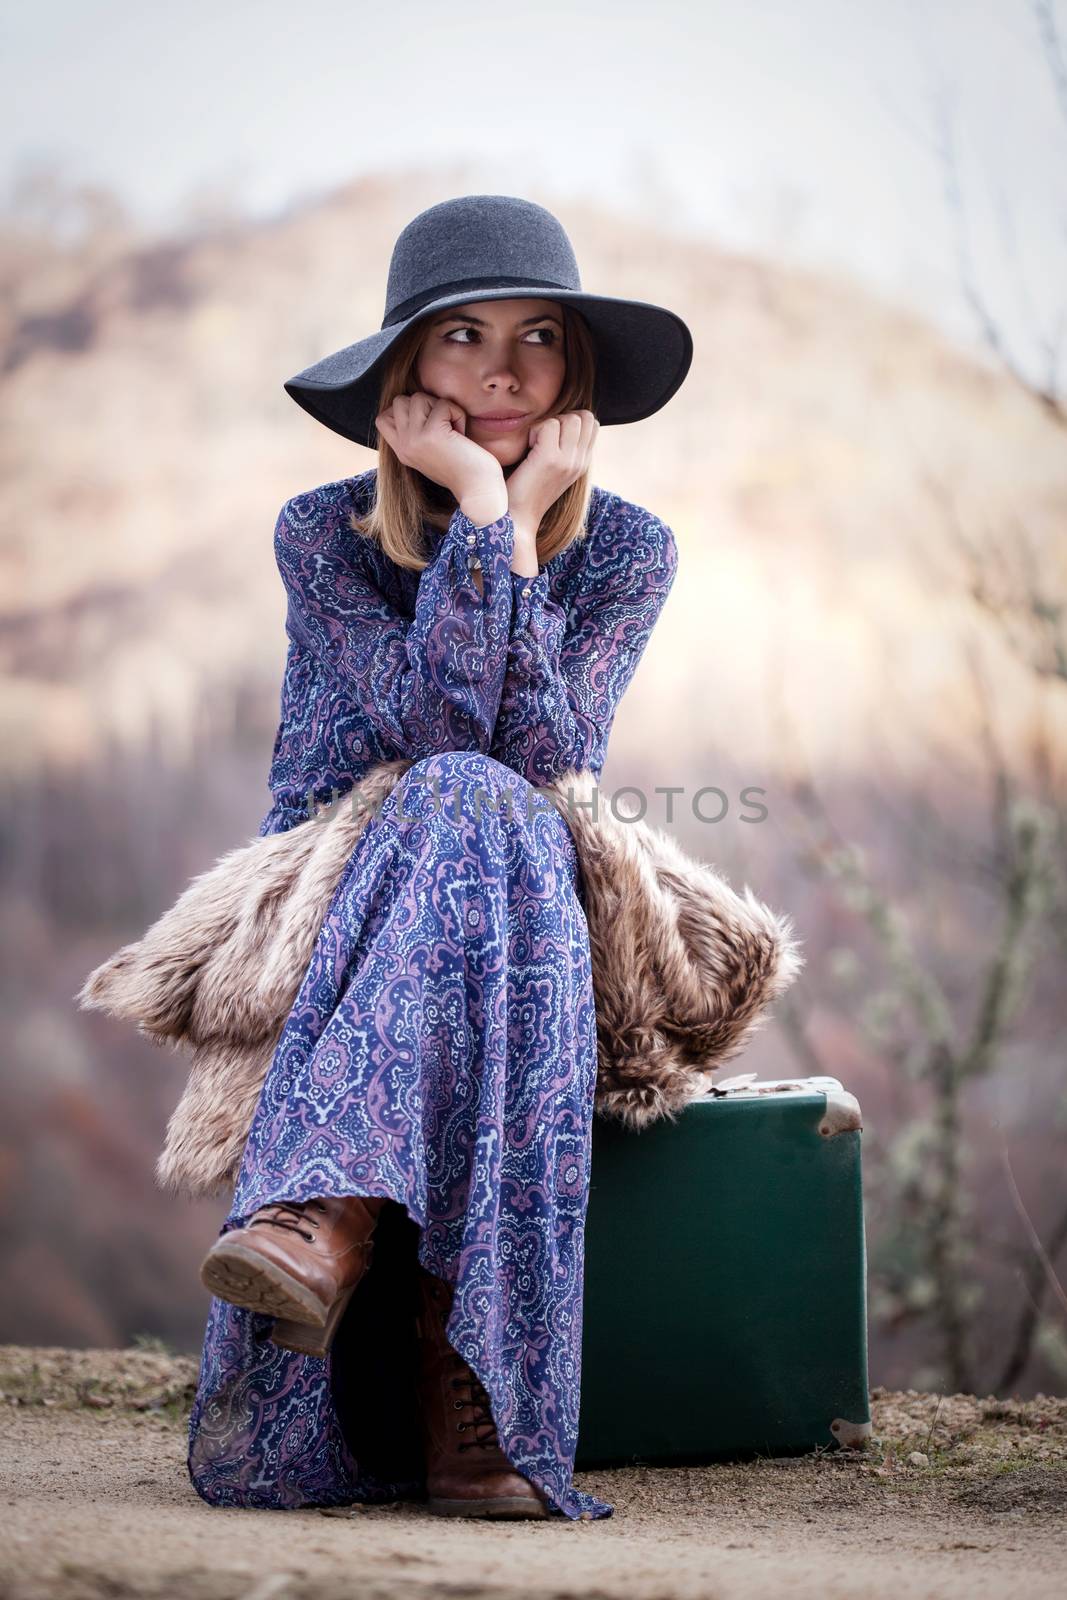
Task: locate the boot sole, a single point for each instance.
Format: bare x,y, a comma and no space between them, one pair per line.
289,1334
504,1506
233,1272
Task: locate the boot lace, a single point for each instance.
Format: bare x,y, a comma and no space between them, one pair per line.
289,1214
477,1398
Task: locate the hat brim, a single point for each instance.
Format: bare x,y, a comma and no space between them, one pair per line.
644,352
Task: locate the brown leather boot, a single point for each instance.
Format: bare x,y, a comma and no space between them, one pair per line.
299,1262
467,1473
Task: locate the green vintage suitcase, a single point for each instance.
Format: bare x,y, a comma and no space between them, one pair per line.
725,1309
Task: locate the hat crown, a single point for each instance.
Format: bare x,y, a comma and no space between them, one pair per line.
480,241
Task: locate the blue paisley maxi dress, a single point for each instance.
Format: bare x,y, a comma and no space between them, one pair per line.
441,1050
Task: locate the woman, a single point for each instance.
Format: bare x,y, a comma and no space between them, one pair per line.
474,606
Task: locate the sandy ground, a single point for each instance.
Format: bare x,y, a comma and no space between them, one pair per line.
957,1496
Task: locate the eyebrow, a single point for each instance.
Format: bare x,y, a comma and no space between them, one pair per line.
480,322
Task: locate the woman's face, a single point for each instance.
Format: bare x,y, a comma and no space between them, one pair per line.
492,356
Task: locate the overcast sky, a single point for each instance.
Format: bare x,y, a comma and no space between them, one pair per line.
810,128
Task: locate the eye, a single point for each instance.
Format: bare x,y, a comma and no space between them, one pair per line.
551,336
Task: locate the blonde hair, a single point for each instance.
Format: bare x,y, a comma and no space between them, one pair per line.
406,498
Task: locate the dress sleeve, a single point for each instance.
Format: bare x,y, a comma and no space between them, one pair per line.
427,684
563,684
279,819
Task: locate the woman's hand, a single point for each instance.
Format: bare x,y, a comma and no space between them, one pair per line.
429,434
561,448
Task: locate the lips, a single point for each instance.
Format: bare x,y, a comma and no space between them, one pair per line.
508,422
501,416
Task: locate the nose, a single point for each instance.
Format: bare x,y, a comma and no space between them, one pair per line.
500,374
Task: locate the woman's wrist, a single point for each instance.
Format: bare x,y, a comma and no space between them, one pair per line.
524,560
484,503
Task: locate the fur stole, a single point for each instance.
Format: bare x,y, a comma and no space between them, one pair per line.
683,968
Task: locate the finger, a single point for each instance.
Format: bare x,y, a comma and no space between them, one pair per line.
571,431
583,443
456,414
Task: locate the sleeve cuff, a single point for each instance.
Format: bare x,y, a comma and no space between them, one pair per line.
488,547
528,596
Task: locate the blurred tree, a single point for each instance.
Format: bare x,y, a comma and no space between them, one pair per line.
930,1238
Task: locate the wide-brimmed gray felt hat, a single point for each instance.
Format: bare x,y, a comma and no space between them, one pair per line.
496,247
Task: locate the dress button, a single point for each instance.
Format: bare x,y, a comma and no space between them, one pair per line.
527,589
470,538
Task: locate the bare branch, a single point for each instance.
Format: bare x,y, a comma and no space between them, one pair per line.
1036,1277
1059,1232
1045,393
1054,55
1012,961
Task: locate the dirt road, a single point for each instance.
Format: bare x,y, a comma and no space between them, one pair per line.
956,1497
